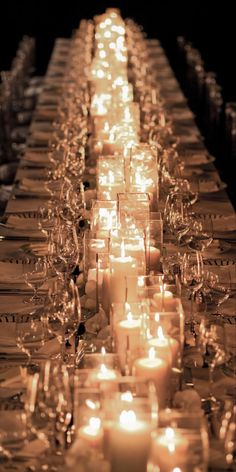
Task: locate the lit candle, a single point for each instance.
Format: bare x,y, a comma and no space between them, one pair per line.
92,433
165,346
156,369
169,450
154,258
121,282
128,338
164,301
105,377
129,441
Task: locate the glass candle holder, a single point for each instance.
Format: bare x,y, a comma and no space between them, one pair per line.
134,206
130,243
110,176
193,429
129,421
104,216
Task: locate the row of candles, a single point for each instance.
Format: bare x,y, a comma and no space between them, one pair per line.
122,253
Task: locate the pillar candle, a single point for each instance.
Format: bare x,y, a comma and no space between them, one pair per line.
129,441
165,346
156,369
92,433
120,286
169,450
165,301
128,337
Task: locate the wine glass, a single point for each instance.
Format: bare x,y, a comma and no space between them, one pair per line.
35,276
63,315
30,335
201,234
48,408
192,277
217,286
211,342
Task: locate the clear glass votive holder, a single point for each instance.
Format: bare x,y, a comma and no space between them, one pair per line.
134,206
104,216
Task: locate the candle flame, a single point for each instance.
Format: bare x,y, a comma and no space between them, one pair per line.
157,317
95,423
129,316
106,126
91,404
103,350
151,353
127,307
111,177
127,396
128,418
127,114
148,333
170,435
160,333
103,369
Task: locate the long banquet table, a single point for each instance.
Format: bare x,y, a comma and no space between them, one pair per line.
25,202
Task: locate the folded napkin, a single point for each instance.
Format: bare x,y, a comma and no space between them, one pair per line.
13,273
197,158
41,136
36,157
33,174
42,126
19,205
22,222
15,304
188,138
20,232
45,113
224,223
49,348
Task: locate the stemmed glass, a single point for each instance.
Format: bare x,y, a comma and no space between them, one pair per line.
30,335
63,315
201,234
179,218
217,286
35,276
48,407
211,342
192,277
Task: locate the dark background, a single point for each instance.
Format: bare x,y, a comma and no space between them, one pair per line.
210,25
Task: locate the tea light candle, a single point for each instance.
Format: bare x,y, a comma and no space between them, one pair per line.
120,268
105,377
154,258
156,369
92,433
169,450
129,441
165,346
164,301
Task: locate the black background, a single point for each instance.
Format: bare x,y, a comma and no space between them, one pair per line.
210,25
